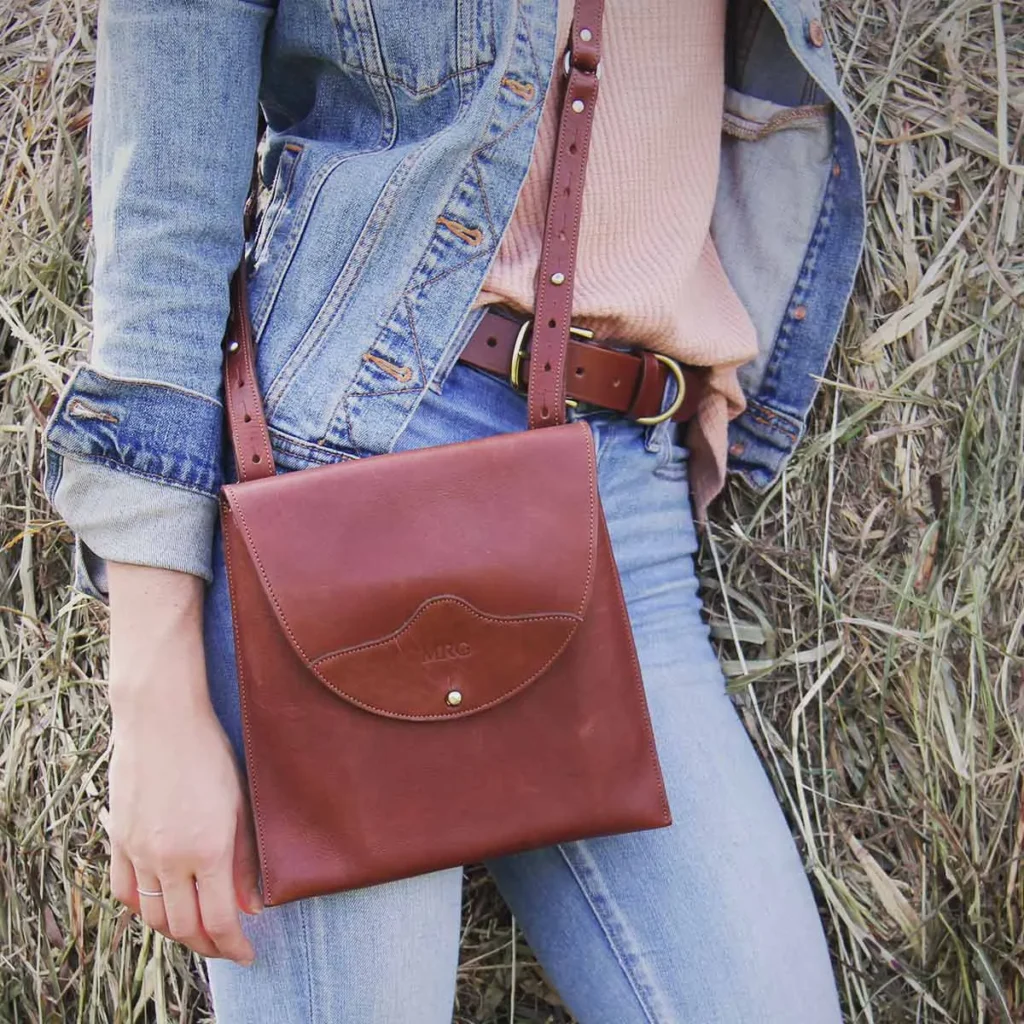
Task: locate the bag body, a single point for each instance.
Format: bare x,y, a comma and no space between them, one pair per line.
435,661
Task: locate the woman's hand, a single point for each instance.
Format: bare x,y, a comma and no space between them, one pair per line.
179,819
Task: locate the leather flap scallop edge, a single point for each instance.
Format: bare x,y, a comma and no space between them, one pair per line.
545,633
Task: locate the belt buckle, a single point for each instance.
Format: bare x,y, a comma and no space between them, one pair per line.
677,372
518,353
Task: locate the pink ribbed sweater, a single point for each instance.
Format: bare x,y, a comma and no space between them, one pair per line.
647,272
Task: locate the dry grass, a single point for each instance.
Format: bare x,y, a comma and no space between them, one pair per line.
870,610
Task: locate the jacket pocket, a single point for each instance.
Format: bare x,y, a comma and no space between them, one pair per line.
776,163
752,119
269,217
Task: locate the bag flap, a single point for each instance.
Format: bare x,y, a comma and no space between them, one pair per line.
431,583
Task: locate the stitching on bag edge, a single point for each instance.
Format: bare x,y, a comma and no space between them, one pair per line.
245,710
639,681
251,544
592,482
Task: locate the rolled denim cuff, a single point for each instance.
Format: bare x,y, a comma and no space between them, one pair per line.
134,469
123,518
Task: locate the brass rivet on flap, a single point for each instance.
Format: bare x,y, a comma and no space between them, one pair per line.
577,106
558,277
453,699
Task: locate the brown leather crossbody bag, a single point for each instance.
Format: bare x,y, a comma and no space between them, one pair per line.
434,658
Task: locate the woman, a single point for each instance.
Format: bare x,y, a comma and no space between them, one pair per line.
406,166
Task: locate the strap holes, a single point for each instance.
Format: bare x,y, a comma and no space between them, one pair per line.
580,371
255,458
544,413
247,418
572,148
547,367
552,323
491,342
568,190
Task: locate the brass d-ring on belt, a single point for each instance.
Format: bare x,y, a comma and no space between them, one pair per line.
630,382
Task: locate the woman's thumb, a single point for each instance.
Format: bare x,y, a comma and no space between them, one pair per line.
246,865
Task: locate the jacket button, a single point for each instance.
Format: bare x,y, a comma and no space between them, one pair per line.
815,33
800,313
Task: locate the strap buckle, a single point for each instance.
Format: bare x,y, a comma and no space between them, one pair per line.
518,354
677,372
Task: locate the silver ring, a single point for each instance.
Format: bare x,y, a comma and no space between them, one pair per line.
149,892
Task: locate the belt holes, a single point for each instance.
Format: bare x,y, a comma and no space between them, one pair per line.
491,342
255,458
547,367
580,371
552,323
246,418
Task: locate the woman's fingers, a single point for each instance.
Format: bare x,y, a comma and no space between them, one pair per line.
122,879
183,921
219,914
151,907
246,863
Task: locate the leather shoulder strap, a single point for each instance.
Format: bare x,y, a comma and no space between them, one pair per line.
557,272
250,438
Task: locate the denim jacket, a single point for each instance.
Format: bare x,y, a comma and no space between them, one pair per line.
388,121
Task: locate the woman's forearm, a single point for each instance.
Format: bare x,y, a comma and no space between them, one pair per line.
156,633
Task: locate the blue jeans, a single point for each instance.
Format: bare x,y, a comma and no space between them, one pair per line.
710,921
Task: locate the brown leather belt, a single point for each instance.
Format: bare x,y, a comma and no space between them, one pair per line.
632,383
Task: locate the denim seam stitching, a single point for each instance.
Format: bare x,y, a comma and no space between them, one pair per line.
319,454
290,244
413,90
281,190
307,960
634,983
367,34
804,281
120,467
57,473
86,366
415,338
350,273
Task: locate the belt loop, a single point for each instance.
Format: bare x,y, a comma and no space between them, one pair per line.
649,388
